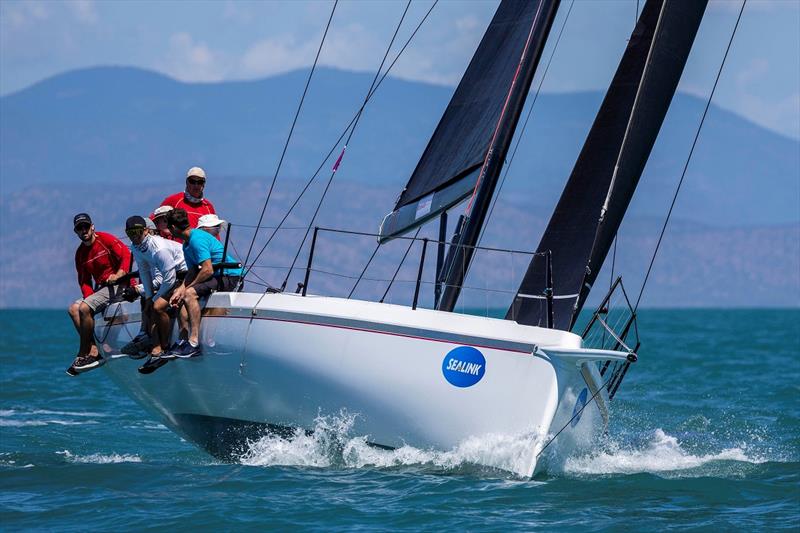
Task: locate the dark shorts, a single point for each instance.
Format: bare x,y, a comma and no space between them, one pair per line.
215,284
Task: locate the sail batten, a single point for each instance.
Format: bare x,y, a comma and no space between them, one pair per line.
461,141
604,178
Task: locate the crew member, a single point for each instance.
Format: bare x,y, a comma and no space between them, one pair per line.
191,199
212,224
105,259
156,254
202,252
141,345
159,218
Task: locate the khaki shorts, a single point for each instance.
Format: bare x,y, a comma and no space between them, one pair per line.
99,300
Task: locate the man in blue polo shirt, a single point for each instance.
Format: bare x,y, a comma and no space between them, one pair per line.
201,251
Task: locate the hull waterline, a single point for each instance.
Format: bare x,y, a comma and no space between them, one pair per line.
275,363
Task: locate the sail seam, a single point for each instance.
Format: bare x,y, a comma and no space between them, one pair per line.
542,297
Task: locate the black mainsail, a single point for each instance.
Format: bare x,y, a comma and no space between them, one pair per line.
604,178
484,110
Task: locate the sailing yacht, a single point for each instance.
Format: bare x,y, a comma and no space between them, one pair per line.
431,378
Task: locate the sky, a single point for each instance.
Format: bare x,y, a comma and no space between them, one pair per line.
210,41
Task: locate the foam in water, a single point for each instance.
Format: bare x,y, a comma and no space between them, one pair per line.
27,423
330,444
100,459
66,413
663,453
15,418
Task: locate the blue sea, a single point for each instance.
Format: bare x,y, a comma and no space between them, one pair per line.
705,434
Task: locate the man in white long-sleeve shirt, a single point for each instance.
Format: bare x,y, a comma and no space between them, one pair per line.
156,255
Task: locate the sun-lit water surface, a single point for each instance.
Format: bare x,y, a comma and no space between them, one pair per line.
705,433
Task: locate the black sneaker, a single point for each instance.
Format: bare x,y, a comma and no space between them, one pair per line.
152,364
139,346
186,350
87,362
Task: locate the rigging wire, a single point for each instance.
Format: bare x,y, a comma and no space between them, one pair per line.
347,142
341,136
525,123
613,261
689,157
410,244
291,131
364,271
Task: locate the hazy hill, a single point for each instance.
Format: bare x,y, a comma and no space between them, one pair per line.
115,141
697,266
124,125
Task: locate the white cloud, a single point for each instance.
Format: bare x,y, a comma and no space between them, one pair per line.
781,113
276,55
189,60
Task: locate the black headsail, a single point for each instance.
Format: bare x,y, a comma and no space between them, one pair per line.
605,176
486,103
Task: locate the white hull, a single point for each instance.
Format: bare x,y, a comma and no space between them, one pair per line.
279,361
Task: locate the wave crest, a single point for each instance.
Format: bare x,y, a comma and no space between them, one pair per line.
662,453
331,443
99,458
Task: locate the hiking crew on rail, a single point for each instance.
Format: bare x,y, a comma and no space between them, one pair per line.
178,265
204,256
103,259
165,258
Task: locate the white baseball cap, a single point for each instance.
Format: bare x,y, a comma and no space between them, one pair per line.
210,221
196,172
162,210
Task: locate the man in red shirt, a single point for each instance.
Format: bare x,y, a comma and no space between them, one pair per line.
192,199
104,259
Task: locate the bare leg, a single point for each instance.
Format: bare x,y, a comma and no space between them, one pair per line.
192,304
160,320
183,323
86,330
74,314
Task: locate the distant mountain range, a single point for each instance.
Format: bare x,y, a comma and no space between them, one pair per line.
115,141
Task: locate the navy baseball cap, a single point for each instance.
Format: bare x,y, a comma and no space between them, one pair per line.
81,218
135,222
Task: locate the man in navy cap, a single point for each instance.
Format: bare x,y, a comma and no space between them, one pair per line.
101,259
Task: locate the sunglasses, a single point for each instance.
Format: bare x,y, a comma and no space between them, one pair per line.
196,181
134,232
80,228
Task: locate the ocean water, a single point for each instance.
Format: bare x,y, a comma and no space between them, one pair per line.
705,434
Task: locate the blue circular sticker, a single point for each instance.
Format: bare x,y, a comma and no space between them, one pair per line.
578,407
464,366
